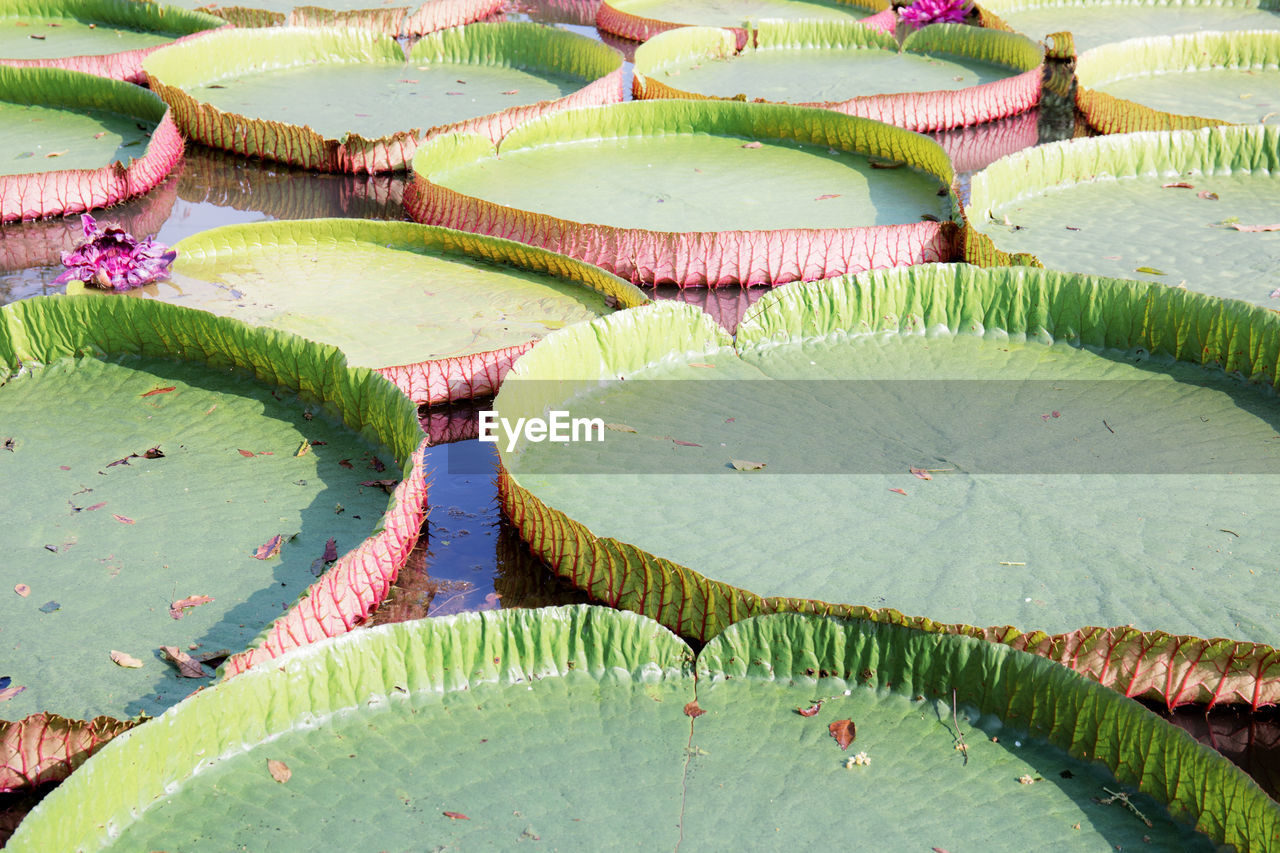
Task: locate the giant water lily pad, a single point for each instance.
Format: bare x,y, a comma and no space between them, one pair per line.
1193,208
699,192
74,141
104,37
1180,82
944,76
986,448
404,20
1093,23
640,20
584,728
184,479
369,106
444,317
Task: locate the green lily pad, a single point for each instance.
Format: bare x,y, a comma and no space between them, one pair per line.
156,467
1179,82
938,440
104,37
1093,24
851,69
405,20
371,106
698,192
580,727
1180,202
640,20
469,305
74,141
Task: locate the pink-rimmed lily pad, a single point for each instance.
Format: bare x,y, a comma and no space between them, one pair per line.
387,18
641,20
1036,458
445,316
1184,208
1093,23
371,106
75,141
699,192
1181,82
104,37
192,458
941,77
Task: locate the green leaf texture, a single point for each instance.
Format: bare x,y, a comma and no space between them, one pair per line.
585,728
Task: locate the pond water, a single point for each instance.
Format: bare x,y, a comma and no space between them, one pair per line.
469,557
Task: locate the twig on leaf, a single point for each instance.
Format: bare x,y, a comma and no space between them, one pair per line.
1123,799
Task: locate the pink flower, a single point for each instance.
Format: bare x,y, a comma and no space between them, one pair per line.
111,259
923,12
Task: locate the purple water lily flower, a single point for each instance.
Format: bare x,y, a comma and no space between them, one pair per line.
923,12
112,259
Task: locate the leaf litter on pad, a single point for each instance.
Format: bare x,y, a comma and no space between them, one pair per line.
179,608
187,666
269,549
279,770
126,660
844,731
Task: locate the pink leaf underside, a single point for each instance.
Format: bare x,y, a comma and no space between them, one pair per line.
449,380
435,15
708,258
946,109
637,28
125,65
39,194
46,747
347,593
301,146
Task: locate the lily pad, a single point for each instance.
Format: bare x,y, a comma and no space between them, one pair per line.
465,306
155,452
371,107
1173,207
402,20
1181,82
532,716
104,37
997,448
699,192
944,76
1093,24
73,141
641,20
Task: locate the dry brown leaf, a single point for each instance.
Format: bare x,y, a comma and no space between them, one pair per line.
126,660
22,589
744,465
751,145
187,667
844,732
178,609
1255,228
691,709
279,770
